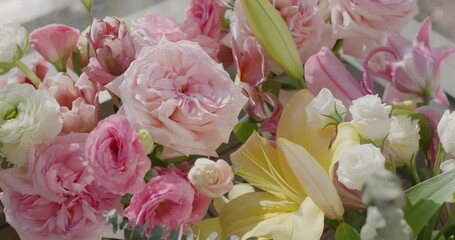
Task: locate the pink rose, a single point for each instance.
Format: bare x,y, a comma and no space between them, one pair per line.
363,24
306,24
152,28
55,43
209,15
168,200
184,99
113,48
78,102
116,157
35,217
211,178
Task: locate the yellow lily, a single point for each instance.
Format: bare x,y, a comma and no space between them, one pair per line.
298,190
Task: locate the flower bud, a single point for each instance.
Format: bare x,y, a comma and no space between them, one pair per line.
147,140
13,44
211,178
403,140
325,110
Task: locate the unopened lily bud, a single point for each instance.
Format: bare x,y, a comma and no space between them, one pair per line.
147,141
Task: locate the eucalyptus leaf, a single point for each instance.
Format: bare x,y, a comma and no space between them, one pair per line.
425,198
243,130
274,36
346,232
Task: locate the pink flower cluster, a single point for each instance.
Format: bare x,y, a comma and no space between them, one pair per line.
69,183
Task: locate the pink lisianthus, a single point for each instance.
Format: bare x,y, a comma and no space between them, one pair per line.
114,50
55,43
38,66
363,24
116,157
35,217
56,168
208,14
169,200
152,28
184,98
412,68
305,23
79,105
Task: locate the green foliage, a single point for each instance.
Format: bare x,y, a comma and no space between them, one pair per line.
346,232
243,130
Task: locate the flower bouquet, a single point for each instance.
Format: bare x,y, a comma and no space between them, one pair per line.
323,155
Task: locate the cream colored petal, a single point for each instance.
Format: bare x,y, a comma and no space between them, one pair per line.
347,137
293,126
206,227
307,223
258,163
244,213
313,178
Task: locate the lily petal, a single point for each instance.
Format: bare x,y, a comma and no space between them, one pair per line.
313,178
293,126
206,227
347,137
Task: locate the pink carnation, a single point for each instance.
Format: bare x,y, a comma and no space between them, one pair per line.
116,157
169,200
363,24
78,102
184,99
152,28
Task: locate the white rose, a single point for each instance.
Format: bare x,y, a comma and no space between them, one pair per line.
371,117
446,132
211,178
357,164
403,140
12,37
27,117
322,106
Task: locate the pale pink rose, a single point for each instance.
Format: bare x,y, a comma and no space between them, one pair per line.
114,50
55,43
209,15
363,24
184,99
79,105
35,217
152,28
211,178
56,168
305,23
167,201
412,68
114,149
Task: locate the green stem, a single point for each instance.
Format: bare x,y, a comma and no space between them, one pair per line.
446,226
439,158
28,73
302,83
412,169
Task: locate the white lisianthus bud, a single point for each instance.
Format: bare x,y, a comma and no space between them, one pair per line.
371,117
27,117
324,110
147,140
403,140
357,164
13,44
447,165
446,132
211,178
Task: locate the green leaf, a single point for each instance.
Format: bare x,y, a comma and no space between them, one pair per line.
157,232
274,36
243,130
287,81
426,130
346,232
76,59
425,198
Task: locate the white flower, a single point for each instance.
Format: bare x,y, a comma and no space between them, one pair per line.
27,117
357,164
371,117
323,106
403,140
211,178
12,37
446,132
447,165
